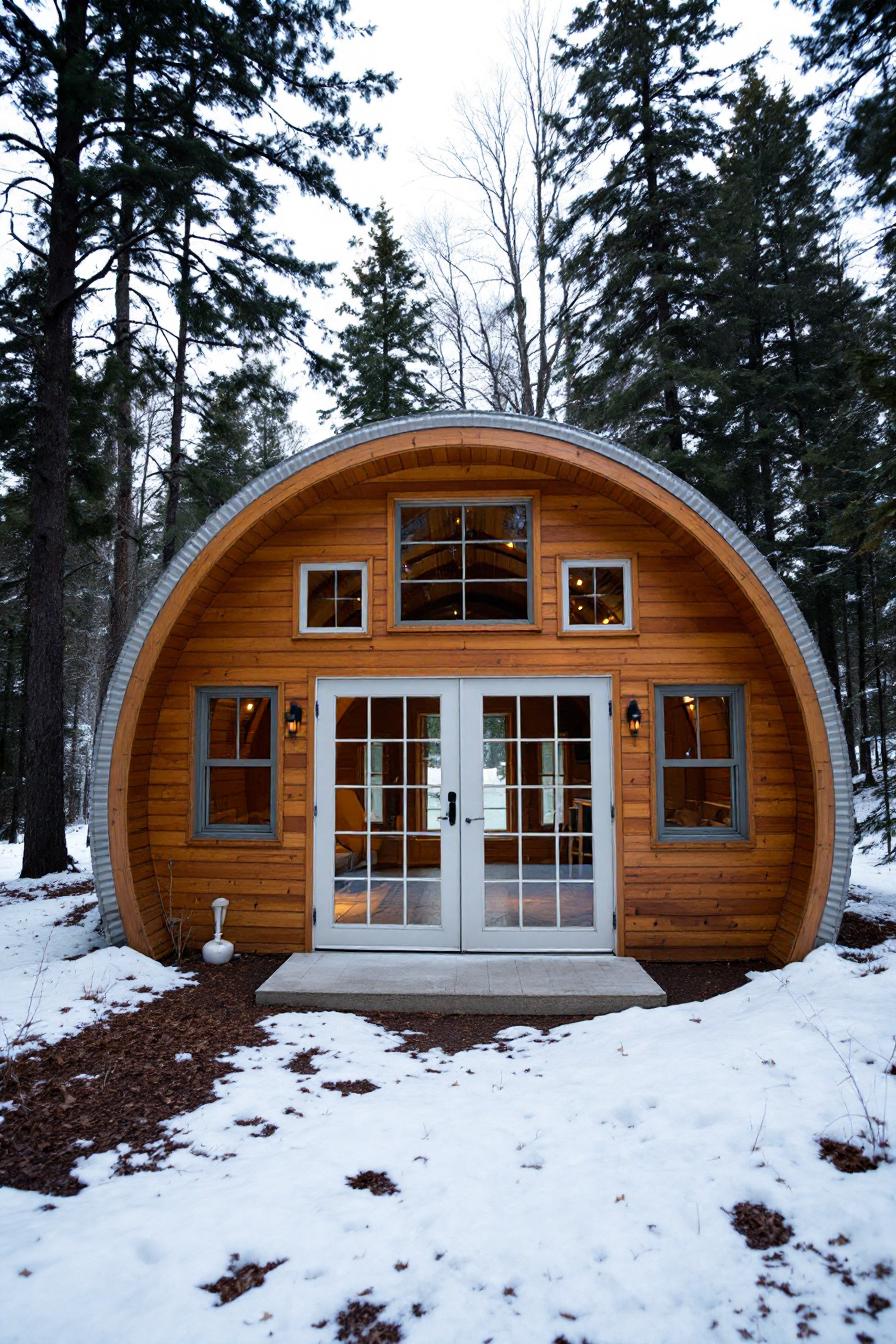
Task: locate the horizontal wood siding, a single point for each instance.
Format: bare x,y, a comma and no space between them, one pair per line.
678,902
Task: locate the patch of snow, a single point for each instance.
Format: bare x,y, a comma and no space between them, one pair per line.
873,880
577,1185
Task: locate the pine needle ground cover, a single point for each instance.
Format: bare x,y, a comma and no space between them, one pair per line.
661,1175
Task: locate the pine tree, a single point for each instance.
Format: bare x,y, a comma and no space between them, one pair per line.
645,103
378,371
243,429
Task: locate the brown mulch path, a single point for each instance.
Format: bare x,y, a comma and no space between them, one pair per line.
134,1082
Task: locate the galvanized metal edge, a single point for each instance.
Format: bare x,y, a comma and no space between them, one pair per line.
781,596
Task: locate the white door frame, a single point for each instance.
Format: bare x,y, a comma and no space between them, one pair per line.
462,863
385,938
476,936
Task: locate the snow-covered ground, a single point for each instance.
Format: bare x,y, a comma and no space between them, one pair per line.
57,976
572,1187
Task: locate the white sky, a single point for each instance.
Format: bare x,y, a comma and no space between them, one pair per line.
440,52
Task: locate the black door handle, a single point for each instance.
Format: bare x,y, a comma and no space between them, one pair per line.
469,819
451,815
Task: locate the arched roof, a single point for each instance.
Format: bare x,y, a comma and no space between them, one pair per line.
453,420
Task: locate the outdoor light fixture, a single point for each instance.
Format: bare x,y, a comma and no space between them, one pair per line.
633,717
293,719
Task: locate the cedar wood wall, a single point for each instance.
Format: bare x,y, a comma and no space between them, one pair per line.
675,901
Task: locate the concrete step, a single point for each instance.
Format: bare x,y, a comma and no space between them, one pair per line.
447,982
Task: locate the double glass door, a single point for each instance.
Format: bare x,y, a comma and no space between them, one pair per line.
471,814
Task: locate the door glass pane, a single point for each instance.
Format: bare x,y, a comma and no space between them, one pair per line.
501,858
539,856
424,717
537,716
387,716
351,763
239,795
350,901
576,905
697,795
499,716
390,810
537,764
424,902
351,809
501,905
539,905
351,717
387,855
392,756
574,716
386,901
221,728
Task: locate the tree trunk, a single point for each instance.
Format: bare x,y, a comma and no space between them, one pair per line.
8,745
45,848
866,764
175,458
881,711
849,703
124,543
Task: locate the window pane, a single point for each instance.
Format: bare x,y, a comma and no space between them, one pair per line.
350,901
429,562
506,560
222,728
424,716
239,795
349,614
582,609
428,602
497,601
501,858
351,767
348,583
351,809
536,716
715,726
420,522
680,717
609,588
580,580
496,522
255,729
321,609
697,795
495,763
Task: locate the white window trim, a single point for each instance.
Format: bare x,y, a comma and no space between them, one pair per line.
600,562
328,566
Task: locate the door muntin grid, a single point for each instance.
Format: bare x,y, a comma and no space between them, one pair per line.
538,834
387,859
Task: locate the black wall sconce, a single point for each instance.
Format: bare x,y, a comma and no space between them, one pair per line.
633,717
293,719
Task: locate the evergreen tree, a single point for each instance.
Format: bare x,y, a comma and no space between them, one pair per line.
645,103
243,430
378,371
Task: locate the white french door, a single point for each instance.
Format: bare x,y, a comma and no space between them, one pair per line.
468,814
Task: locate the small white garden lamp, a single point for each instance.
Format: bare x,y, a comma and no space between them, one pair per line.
218,951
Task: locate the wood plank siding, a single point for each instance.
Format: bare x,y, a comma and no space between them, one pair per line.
699,620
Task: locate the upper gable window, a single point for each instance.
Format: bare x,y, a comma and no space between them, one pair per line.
464,562
333,598
597,595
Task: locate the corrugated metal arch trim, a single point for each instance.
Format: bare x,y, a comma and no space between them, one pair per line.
780,595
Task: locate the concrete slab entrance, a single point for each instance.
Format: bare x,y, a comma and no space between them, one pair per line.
432,982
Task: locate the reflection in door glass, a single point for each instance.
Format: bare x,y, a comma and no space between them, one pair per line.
387,811
538,834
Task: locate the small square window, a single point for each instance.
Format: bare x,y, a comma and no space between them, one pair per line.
596,595
333,598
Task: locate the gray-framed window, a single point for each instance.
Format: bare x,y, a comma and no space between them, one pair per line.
236,762
464,562
700,763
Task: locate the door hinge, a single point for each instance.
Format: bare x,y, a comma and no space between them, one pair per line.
614,919
314,917
317,709
315,809
610,708
612,812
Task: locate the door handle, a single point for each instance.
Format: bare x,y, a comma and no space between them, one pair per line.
469,819
451,815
